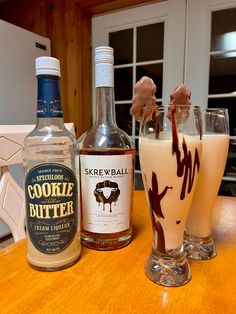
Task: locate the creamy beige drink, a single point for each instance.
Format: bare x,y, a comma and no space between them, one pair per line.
169,151
169,182
54,261
214,155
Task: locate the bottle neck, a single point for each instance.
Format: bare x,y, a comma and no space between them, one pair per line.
49,109
105,106
104,82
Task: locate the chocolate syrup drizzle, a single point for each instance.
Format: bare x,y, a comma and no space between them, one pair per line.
185,168
155,205
155,198
161,238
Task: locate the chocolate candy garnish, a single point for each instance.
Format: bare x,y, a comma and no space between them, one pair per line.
144,101
180,100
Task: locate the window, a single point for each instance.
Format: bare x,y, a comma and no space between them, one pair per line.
210,66
173,42
222,77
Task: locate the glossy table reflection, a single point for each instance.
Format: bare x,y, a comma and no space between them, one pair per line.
114,282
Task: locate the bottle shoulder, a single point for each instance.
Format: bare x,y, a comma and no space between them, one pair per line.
43,147
49,145
48,135
105,136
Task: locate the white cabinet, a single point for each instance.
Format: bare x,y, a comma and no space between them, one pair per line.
18,92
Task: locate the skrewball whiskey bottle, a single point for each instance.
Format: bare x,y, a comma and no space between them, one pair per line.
51,190
106,168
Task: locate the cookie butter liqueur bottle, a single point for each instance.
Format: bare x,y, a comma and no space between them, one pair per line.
106,168
51,192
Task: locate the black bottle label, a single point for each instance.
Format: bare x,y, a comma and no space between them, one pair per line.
49,99
51,207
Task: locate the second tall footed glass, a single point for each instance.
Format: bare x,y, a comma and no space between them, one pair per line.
170,151
198,241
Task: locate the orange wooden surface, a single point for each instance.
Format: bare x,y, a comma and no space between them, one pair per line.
114,282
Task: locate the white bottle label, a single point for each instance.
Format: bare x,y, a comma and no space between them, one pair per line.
106,186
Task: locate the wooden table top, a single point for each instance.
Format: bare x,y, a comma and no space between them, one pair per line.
114,282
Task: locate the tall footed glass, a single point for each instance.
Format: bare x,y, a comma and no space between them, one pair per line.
198,241
170,150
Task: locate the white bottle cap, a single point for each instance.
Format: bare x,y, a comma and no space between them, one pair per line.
104,74
104,54
48,66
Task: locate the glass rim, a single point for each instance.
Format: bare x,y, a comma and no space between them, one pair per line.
192,106
211,109
178,107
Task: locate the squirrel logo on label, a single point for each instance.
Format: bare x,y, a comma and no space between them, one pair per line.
107,192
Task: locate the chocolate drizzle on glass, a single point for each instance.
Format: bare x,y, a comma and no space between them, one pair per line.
158,127
155,206
185,167
160,233
155,198
161,238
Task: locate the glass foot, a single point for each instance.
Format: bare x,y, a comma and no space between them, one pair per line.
168,271
199,248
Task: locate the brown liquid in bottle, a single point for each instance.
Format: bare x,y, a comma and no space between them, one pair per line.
106,167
